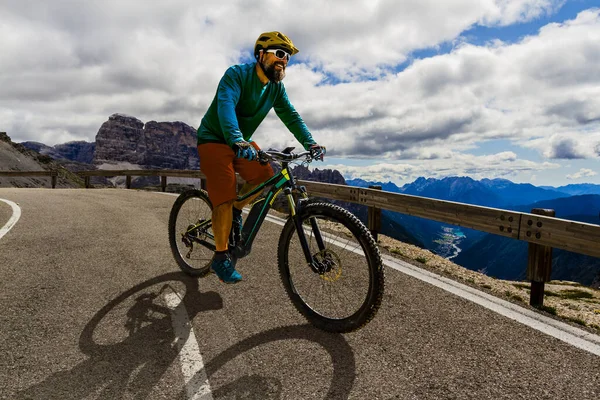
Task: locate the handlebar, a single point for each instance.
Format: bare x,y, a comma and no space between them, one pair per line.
276,155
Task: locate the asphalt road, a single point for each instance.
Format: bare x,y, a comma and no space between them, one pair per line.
83,275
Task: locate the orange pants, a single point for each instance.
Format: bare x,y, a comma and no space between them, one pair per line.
219,163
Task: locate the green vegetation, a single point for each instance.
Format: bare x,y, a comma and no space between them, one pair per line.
397,251
549,293
575,294
513,296
576,320
565,283
525,286
548,309
422,260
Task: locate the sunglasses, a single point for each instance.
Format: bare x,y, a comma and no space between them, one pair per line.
281,54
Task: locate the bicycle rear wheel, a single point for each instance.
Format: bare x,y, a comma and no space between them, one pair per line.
193,248
347,292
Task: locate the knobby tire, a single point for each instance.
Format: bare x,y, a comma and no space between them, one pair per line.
361,234
175,236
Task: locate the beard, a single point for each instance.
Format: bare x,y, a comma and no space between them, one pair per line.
274,74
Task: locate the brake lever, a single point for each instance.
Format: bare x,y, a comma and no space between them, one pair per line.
263,158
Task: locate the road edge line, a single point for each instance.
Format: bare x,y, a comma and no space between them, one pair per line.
13,218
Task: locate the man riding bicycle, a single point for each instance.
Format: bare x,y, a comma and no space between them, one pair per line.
244,97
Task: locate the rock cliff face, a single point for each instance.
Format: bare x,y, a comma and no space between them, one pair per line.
317,175
166,145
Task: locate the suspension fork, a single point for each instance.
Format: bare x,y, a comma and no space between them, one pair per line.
313,223
299,228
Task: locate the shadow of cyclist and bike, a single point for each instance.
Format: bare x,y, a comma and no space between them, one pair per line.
133,366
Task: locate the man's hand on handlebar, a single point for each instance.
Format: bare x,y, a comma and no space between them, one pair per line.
243,149
317,152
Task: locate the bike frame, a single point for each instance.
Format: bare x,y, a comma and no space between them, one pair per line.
283,181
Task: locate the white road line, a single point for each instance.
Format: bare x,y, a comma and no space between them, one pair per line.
13,219
192,365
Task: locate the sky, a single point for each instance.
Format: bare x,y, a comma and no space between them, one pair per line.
395,89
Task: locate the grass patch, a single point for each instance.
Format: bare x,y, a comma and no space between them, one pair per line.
565,283
513,296
422,260
522,286
591,301
551,294
397,251
575,294
577,320
548,309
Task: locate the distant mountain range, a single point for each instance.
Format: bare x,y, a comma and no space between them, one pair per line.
576,189
499,193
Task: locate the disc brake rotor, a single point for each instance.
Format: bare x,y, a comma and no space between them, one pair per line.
330,263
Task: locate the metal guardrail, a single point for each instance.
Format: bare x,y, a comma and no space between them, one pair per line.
163,173
540,229
564,234
53,174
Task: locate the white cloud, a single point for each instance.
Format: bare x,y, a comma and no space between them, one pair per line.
501,165
582,173
524,92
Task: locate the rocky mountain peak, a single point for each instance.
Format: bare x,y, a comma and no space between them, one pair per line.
326,175
166,145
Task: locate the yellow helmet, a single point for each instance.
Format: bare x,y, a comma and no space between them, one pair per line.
277,40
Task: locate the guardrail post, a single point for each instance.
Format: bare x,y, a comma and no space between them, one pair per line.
54,176
539,264
87,181
163,183
202,183
374,217
128,181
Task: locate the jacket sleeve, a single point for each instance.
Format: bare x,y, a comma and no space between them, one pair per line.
290,117
228,95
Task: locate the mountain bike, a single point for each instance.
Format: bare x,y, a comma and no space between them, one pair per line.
328,261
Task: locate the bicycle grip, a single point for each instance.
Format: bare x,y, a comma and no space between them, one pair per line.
262,158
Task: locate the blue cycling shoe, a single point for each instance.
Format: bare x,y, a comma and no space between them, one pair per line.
224,269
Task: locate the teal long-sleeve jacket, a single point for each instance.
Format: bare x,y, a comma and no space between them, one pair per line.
242,103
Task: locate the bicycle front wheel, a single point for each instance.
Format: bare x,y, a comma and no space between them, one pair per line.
344,291
190,232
